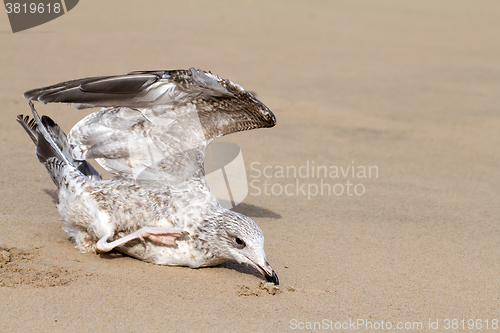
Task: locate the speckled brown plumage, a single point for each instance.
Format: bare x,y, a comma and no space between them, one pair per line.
151,134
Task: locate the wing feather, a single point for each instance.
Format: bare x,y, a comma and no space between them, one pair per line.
155,122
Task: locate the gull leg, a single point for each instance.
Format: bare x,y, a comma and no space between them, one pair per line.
165,236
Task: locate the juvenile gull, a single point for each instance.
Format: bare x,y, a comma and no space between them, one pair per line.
151,134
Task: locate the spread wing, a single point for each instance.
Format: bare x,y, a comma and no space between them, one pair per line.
155,124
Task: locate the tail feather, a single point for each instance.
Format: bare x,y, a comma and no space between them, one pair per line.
52,144
46,146
29,126
54,167
88,170
59,137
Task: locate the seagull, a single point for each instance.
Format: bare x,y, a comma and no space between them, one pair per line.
150,133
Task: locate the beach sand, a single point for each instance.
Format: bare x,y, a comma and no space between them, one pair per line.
407,90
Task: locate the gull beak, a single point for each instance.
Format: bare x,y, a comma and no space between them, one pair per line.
267,271
272,277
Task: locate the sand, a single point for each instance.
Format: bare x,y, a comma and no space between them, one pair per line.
410,89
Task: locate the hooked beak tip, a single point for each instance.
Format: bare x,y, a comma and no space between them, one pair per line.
273,278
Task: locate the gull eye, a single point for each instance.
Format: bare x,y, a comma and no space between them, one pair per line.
239,243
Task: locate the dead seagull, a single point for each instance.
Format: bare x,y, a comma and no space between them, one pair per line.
151,134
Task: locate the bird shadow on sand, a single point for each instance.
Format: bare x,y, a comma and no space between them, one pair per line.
113,254
255,211
241,268
53,195
231,264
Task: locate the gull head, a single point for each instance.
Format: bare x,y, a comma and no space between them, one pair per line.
241,239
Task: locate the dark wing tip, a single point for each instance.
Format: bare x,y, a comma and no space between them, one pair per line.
48,122
32,95
271,122
94,91
123,84
38,94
